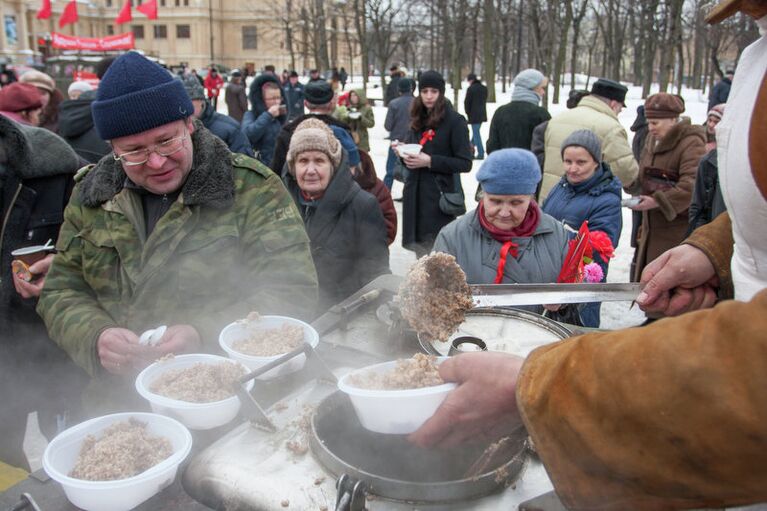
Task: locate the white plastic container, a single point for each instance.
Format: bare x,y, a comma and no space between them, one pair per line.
122,494
237,331
397,412
409,149
192,415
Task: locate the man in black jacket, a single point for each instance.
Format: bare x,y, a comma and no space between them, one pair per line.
36,179
721,91
392,90
475,105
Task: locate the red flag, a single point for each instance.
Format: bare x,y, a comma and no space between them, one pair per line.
45,11
69,15
125,15
149,9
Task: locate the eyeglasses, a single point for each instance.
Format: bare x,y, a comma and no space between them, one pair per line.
141,156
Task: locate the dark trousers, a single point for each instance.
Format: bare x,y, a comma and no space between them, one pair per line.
391,159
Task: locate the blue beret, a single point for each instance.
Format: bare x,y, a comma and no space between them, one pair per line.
510,172
137,95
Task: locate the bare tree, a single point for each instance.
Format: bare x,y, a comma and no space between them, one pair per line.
381,15
488,48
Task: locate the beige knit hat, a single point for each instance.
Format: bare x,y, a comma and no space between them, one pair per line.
39,80
314,135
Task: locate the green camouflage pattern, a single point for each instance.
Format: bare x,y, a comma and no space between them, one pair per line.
200,266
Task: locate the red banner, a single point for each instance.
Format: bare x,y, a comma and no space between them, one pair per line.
113,42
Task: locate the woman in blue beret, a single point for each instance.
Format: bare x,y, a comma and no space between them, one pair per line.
587,192
507,239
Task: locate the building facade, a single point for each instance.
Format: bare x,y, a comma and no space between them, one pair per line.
246,34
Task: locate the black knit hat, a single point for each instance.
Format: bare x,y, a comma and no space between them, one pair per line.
433,80
610,89
405,86
137,95
318,92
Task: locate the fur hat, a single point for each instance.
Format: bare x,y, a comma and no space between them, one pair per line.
433,80
318,92
586,139
18,97
610,89
39,80
137,95
663,106
314,135
510,172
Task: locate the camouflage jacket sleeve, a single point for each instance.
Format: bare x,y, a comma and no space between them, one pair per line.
280,273
68,305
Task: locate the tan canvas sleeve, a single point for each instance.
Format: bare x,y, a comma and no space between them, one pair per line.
667,416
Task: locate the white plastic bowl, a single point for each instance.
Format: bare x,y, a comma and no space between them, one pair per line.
397,412
122,494
236,331
193,415
409,149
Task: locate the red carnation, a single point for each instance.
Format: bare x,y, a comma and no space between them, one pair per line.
602,244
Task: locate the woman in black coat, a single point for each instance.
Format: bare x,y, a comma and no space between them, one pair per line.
36,178
345,225
446,153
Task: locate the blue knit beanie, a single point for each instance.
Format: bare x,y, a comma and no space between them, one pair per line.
137,95
510,172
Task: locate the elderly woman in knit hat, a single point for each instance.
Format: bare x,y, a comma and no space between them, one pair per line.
507,239
588,191
667,170
346,228
22,103
434,175
513,124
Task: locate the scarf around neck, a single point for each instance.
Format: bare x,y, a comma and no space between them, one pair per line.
526,95
523,230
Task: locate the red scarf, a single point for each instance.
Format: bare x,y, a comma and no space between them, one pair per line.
523,230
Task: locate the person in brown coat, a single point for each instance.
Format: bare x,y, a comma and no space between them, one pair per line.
365,175
667,170
669,416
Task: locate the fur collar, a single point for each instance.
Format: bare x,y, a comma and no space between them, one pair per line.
682,129
210,183
35,152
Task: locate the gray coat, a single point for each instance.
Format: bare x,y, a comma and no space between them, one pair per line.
397,121
477,253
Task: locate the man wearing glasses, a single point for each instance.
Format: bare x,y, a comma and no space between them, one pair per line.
172,229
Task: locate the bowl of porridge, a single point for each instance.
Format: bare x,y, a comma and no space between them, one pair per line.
118,461
258,340
396,397
199,390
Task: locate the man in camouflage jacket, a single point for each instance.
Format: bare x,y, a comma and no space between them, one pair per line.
193,237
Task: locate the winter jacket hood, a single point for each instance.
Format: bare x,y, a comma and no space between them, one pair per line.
75,117
210,182
35,152
256,95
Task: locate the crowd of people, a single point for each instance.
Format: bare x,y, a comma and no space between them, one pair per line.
164,210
